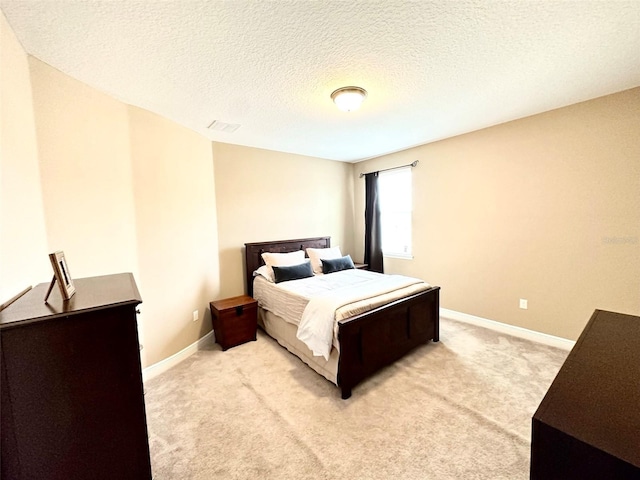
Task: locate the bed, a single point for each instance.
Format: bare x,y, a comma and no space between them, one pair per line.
367,341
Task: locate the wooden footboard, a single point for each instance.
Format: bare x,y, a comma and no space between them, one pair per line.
370,341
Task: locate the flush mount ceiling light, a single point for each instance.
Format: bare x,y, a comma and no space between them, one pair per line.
348,99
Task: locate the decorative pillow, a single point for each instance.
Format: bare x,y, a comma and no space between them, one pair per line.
282,259
265,272
293,272
337,264
316,255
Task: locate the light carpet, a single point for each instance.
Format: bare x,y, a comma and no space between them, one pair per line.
457,409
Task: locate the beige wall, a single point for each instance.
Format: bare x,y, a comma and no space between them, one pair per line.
85,164
23,242
177,243
264,195
117,188
545,208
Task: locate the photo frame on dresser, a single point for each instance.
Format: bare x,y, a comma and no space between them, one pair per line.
61,275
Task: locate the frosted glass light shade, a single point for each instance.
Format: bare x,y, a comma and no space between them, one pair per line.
348,99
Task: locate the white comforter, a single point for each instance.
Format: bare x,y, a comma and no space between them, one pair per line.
332,297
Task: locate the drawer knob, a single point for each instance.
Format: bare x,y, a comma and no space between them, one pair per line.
239,310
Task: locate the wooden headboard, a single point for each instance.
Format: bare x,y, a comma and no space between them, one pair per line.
253,252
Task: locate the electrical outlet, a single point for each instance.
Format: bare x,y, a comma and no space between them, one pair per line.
524,303
195,315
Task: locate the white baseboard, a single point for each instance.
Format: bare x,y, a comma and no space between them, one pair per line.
558,342
512,330
164,365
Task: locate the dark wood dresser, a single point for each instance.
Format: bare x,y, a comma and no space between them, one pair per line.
71,385
588,424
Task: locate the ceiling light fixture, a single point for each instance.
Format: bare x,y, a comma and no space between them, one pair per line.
349,98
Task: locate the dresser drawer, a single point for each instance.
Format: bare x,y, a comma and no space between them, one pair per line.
234,320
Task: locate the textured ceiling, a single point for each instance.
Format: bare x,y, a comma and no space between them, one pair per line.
432,69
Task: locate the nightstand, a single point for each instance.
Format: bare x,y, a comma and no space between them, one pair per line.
362,266
235,320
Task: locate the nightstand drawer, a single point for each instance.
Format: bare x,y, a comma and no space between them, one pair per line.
234,320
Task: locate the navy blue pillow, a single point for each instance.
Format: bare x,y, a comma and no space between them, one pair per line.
337,264
294,272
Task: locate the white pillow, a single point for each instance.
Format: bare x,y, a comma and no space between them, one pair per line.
318,254
282,260
265,272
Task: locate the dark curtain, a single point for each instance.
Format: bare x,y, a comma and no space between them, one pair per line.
372,226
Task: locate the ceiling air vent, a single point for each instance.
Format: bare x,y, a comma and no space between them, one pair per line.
219,126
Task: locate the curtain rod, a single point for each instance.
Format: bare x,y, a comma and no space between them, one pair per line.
392,168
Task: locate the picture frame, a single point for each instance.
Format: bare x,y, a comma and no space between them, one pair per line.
62,275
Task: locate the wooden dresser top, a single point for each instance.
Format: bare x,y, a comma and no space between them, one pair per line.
93,293
595,397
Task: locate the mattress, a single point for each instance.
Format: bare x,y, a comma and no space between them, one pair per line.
289,299
314,305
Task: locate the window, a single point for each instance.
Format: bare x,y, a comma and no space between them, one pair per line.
394,187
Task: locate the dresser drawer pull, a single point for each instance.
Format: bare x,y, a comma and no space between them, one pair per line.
239,310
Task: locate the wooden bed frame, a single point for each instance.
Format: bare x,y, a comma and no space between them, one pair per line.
372,340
